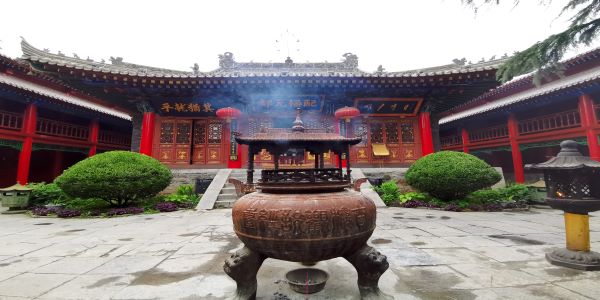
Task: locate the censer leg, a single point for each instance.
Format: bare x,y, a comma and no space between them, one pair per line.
243,266
370,265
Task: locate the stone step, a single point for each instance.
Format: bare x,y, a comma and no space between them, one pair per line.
227,197
228,190
224,204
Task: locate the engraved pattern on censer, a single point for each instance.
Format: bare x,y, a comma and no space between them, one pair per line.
316,223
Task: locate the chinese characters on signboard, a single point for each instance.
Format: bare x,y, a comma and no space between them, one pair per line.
288,103
170,107
257,104
388,106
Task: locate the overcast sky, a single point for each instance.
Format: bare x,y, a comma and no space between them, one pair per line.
398,34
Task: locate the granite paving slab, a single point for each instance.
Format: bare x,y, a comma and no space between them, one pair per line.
432,255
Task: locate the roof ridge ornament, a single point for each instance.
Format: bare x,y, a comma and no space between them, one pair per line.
459,62
195,68
350,60
116,60
226,60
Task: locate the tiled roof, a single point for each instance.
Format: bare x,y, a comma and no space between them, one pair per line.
519,83
458,67
536,91
228,67
58,95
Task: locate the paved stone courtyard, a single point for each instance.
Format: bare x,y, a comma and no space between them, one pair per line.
432,254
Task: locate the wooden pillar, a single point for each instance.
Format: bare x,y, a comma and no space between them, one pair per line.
426,137
276,156
347,150
147,133
589,121
316,160
28,129
465,140
93,136
57,164
250,171
513,133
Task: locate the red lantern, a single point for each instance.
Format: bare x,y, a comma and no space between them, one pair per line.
228,113
347,113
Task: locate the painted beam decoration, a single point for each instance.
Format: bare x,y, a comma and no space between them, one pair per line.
383,107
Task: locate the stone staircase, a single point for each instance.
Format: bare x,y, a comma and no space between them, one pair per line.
228,196
188,176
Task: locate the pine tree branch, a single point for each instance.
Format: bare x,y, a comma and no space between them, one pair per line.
544,56
585,13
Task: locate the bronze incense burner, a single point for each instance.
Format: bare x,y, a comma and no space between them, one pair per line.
303,215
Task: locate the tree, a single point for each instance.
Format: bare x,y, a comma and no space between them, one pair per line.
544,56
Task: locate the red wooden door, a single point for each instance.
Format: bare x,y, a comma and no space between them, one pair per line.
208,142
174,143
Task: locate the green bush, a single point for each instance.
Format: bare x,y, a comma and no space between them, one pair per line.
451,175
118,177
185,194
46,193
389,191
516,192
486,196
413,196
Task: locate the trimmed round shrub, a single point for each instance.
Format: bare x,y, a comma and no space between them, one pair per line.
449,175
117,177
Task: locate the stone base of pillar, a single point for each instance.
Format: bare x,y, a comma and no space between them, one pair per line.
580,260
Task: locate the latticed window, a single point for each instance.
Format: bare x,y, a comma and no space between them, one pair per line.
360,129
166,133
183,133
200,133
391,131
377,133
215,131
408,132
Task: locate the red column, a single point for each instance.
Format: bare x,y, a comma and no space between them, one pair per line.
465,140
513,133
588,122
426,136
93,136
29,123
147,133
